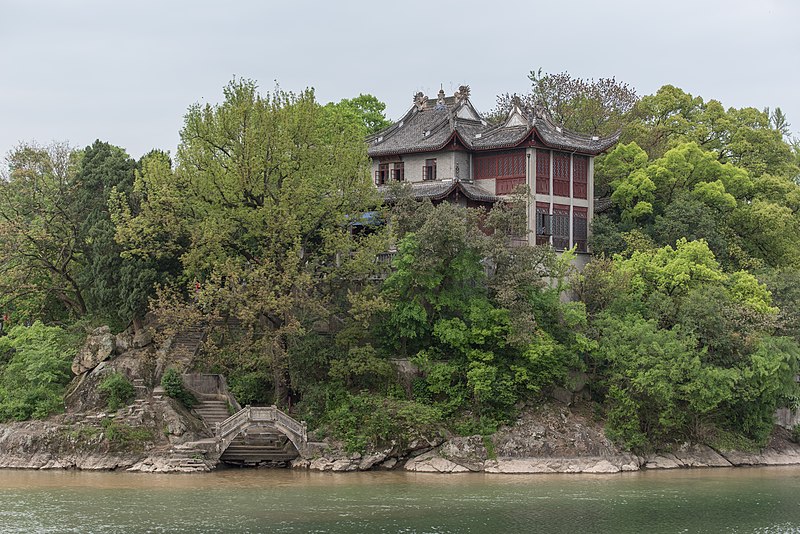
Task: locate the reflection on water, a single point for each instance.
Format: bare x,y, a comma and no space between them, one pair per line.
713,500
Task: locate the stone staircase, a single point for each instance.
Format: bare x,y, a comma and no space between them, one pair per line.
212,409
187,343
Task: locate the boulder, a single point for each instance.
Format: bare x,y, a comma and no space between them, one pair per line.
142,338
431,463
370,460
99,347
123,342
467,451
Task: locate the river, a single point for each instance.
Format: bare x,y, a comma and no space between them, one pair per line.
763,500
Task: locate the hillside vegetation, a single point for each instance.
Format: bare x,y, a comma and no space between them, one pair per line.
266,226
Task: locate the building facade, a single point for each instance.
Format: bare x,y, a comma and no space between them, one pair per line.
447,151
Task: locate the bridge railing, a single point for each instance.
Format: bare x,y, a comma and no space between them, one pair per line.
260,414
233,423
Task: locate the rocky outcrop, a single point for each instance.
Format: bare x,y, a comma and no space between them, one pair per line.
555,439
99,347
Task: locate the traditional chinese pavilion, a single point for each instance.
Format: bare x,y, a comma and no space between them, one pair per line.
447,151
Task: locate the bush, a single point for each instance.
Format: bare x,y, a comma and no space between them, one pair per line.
117,391
32,382
173,386
369,421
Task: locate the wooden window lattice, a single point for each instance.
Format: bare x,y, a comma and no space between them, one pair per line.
580,228
561,227
561,174
580,176
542,172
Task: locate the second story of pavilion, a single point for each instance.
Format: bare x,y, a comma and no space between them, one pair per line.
443,144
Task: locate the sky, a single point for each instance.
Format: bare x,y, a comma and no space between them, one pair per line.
126,71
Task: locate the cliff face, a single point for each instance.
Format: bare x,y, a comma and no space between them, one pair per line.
152,433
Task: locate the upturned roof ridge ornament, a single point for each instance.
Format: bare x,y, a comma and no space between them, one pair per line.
420,100
462,93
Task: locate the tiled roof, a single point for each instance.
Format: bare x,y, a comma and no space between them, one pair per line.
441,190
430,128
602,204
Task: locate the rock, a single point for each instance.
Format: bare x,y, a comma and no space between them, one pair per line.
142,338
389,463
562,395
700,456
562,465
123,342
300,463
99,346
662,461
321,464
469,452
370,460
603,466
431,463
341,465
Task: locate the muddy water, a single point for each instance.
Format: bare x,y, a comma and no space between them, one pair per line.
713,500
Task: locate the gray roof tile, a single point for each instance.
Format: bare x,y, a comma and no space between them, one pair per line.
430,129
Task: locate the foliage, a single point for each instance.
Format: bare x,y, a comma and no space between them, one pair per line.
365,421
583,105
684,346
32,382
743,137
124,437
172,382
365,109
257,209
464,307
40,233
116,390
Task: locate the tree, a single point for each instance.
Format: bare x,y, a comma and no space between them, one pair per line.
258,206
746,137
365,109
583,105
474,312
107,277
685,347
40,233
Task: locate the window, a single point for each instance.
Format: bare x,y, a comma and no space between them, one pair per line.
544,224
398,172
543,172
561,174
429,170
580,176
508,170
560,227
382,174
580,227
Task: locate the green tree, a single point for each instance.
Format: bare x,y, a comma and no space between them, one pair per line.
40,233
366,110
258,205
745,137
37,370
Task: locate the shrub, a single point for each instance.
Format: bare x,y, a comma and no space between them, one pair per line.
32,382
369,421
117,391
173,386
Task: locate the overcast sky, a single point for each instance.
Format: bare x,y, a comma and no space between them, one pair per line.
125,71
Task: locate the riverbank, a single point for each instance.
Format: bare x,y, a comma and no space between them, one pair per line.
553,438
